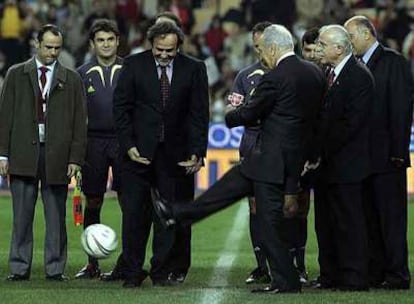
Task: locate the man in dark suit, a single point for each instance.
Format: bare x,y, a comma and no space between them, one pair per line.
161,116
386,188
286,106
243,87
42,139
345,162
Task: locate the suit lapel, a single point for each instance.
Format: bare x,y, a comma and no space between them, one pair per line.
344,72
340,78
58,78
31,69
175,80
375,57
152,79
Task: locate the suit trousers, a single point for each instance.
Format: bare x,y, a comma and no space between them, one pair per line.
386,216
232,187
138,215
24,192
349,256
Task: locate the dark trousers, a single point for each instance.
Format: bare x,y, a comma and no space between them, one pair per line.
24,195
345,263
137,215
386,217
269,197
179,258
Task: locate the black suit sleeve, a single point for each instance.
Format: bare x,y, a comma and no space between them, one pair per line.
199,112
123,105
400,106
261,104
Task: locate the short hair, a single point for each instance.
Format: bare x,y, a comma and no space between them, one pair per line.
310,36
339,35
170,15
260,27
48,28
104,25
363,22
161,29
279,35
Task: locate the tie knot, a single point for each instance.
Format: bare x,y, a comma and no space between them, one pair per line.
44,69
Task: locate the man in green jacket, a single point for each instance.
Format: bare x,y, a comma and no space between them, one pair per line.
42,139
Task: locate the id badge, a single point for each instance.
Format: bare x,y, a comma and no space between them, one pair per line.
42,132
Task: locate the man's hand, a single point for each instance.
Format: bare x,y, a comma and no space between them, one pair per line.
135,156
291,206
230,108
191,165
72,170
4,167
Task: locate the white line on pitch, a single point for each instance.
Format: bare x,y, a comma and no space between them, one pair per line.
227,257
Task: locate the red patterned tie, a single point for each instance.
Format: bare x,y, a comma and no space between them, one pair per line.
43,79
165,95
41,100
331,78
165,87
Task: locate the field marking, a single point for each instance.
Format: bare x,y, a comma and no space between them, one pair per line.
227,256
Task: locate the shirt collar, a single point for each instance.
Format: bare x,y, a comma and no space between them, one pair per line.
288,54
341,65
169,66
51,67
369,52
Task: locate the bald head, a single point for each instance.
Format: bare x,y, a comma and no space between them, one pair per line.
275,41
362,34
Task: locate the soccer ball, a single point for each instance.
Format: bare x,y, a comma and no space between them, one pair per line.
99,241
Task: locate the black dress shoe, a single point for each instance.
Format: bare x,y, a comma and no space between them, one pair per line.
178,277
57,278
395,285
258,276
17,277
162,209
90,271
274,290
110,276
318,284
135,282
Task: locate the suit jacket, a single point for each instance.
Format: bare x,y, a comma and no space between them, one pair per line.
286,103
346,124
392,109
65,121
138,115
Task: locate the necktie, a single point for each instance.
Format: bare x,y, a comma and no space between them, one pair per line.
41,99
360,59
43,79
165,95
165,87
331,78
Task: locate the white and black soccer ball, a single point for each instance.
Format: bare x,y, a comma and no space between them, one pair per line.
99,241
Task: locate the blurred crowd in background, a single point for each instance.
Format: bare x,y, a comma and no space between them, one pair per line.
217,30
